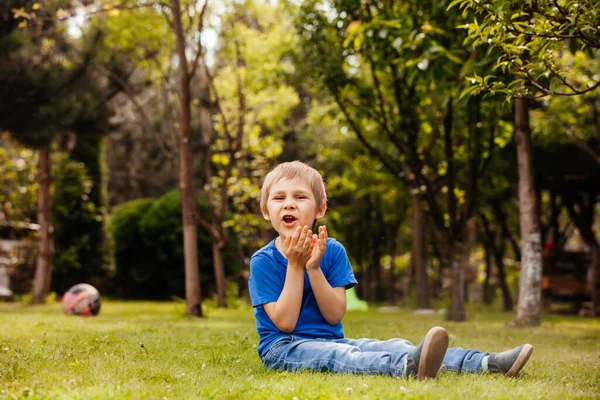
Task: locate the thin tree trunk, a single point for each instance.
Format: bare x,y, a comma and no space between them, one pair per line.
377,251
457,300
188,201
45,259
488,291
529,310
127,166
469,273
418,253
219,268
593,282
393,249
507,299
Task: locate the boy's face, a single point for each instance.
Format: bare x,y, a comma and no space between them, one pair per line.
291,204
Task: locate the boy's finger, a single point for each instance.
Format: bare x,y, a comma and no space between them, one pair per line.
295,236
301,237
307,238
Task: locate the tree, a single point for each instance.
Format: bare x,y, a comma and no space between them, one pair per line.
393,72
535,42
248,94
367,208
535,45
186,183
48,91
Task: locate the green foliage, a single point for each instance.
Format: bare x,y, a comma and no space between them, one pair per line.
252,83
141,35
46,85
131,252
151,350
395,74
574,119
538,42
148,240
18,186
78,229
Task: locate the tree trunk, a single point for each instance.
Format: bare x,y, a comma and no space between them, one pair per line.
418,253
188,201
507,299
593,281
127,166
488,290
469,272
219,268
529,310
378,294
393,249
43,271
457,300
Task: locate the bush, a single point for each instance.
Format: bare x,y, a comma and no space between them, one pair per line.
130,249
149,257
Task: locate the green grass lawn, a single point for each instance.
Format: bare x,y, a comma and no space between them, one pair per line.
145,350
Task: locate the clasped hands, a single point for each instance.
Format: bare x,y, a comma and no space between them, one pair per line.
305,249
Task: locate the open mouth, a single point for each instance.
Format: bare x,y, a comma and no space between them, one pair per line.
289,220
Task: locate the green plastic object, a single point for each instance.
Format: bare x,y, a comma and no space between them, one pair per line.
353,303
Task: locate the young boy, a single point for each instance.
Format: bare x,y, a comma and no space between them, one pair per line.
297,287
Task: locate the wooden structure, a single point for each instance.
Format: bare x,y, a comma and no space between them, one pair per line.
571,277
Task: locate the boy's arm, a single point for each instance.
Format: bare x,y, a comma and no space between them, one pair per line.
285,311
331,300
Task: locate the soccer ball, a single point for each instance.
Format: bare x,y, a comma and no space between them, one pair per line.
82,299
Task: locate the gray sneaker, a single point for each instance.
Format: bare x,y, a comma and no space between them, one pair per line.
510,362
425,360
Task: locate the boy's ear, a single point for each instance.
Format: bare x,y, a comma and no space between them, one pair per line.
321,211
266,216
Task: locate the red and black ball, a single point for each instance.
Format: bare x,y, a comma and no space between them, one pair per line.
82,299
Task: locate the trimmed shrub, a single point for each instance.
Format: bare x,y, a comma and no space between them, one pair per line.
148,236
130,248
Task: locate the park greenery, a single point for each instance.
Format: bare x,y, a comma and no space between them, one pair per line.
458,140
460,145
142,350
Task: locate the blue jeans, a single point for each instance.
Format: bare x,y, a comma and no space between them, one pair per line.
362,356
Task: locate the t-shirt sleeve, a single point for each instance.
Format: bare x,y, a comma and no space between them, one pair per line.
338,269
264,283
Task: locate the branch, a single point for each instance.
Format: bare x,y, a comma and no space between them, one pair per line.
448,118
214,91
145,119
72,14
547,91
400,173
200,48
475,159
384,123
491,145
241,97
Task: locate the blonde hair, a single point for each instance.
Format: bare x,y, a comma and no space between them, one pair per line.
291,170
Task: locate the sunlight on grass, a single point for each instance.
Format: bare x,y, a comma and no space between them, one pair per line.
141,350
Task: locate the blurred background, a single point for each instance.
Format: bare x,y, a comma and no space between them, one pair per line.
460,144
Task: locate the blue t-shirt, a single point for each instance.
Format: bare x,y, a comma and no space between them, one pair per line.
267,275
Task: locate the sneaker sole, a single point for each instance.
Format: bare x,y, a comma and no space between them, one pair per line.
521,360
432,355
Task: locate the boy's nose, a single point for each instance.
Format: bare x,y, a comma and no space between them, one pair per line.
288,204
